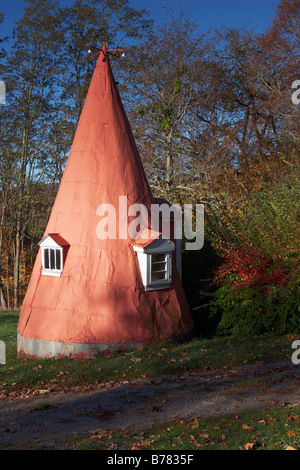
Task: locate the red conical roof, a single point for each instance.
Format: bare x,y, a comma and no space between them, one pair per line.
100,297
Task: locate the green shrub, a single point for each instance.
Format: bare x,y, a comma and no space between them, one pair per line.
258,280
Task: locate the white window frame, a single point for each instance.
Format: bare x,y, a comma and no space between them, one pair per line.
48,243
52,271
145,262
168,270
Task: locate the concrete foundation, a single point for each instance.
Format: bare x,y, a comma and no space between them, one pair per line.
38,348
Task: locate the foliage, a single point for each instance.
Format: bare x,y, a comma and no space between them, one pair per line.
258,280
212,116
46,73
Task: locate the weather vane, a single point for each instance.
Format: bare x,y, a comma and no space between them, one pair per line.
110,51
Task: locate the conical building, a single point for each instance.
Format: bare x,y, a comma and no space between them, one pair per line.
89,293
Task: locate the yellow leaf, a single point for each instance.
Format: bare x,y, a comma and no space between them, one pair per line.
245,426
249,446
292,433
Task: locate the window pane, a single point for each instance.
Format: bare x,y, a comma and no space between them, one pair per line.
57,252
158,276
46,259
158,257
52,260
158,267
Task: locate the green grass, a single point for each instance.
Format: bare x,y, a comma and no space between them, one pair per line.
277,429
20,375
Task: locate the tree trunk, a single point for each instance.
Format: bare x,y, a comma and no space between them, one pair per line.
2,297
3,302
21,188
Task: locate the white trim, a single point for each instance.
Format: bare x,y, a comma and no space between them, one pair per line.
48,242
158,245
48,271
51,272
145,263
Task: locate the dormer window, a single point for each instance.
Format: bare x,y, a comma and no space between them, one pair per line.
160,267
53,250
52,259
155,261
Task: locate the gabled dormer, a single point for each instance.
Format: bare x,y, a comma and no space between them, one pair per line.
53,249
155,261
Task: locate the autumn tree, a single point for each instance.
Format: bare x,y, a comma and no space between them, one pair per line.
29,74
166,75
4,180
2,40
47,74
86,26
255,231
283,40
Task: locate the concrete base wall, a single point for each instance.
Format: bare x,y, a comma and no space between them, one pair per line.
38,348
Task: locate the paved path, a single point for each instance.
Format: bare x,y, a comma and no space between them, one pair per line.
48,419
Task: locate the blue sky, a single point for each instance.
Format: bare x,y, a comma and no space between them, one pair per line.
254,14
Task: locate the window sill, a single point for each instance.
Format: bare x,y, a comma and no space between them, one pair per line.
53,273
167,285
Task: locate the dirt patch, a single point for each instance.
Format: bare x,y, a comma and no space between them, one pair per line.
54,420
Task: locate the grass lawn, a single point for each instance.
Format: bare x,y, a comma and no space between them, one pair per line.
272,429
20,375
276,429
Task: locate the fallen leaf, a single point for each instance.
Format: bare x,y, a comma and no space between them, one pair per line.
292,433
245,426
135,359
249,446
135,447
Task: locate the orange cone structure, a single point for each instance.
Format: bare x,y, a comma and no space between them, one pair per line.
86,294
